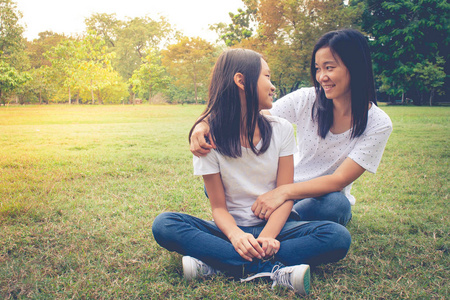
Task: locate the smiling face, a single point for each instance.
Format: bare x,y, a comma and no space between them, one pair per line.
332,75
265,87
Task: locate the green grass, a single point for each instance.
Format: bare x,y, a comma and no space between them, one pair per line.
81,185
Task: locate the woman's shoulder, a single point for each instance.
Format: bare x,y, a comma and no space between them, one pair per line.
303,94
294,104
280,125
378,118
277,121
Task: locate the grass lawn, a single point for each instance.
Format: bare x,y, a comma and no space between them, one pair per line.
81,185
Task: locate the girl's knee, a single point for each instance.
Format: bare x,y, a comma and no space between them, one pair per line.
161,225
341,240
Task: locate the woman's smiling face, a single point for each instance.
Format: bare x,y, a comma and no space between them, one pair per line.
332,75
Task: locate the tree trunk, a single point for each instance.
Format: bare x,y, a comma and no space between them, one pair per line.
431,96
40,97
78,97
92,94
70,96
100,101
195,86
403,98
149,93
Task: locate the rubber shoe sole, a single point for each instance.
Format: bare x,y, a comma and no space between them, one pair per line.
300,279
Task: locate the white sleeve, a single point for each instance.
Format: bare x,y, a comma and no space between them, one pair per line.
206,165
290,106
370,146
288,146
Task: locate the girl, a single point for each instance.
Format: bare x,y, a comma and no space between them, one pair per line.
340,131
253,156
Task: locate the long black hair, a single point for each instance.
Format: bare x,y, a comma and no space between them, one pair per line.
223,110
353,50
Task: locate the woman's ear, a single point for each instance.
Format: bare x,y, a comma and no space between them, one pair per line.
239,80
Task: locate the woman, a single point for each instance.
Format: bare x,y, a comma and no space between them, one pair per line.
340,131
254,154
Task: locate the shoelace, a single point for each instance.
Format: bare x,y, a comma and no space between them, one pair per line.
206,270
277,275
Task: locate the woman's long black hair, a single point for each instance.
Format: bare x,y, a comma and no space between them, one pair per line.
353,50
223,110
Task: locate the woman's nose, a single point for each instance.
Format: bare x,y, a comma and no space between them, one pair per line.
323,77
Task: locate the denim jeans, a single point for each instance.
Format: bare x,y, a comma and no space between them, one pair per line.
301,242
332,207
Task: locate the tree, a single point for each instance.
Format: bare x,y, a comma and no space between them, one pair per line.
106,26
135,39
11,40
62,67
131,40
10,79
13,61
36,48
239,29
431,75
404,34
82,66
151,77
190,61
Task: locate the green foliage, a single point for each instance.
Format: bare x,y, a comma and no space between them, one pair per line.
10,79
135,40
151,78
11,31
119,59
190,61
81,186
239,29
431,75
405,34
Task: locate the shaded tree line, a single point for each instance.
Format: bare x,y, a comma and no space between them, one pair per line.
142,59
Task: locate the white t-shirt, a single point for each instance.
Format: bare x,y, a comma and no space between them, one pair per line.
318,157
246,177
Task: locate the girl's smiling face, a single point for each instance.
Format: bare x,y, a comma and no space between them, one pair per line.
265,87
332,75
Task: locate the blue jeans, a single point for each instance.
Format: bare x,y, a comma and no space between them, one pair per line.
331,207
301,242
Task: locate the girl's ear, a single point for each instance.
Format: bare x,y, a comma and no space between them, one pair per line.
239,80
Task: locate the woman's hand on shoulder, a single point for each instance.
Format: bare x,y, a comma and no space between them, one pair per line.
198,144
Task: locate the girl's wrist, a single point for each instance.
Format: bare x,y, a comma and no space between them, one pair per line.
286,192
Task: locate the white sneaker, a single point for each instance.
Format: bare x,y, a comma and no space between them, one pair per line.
193,268
294,277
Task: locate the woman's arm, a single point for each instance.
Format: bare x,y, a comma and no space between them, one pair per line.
277,219
244,243
345,174
198,145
